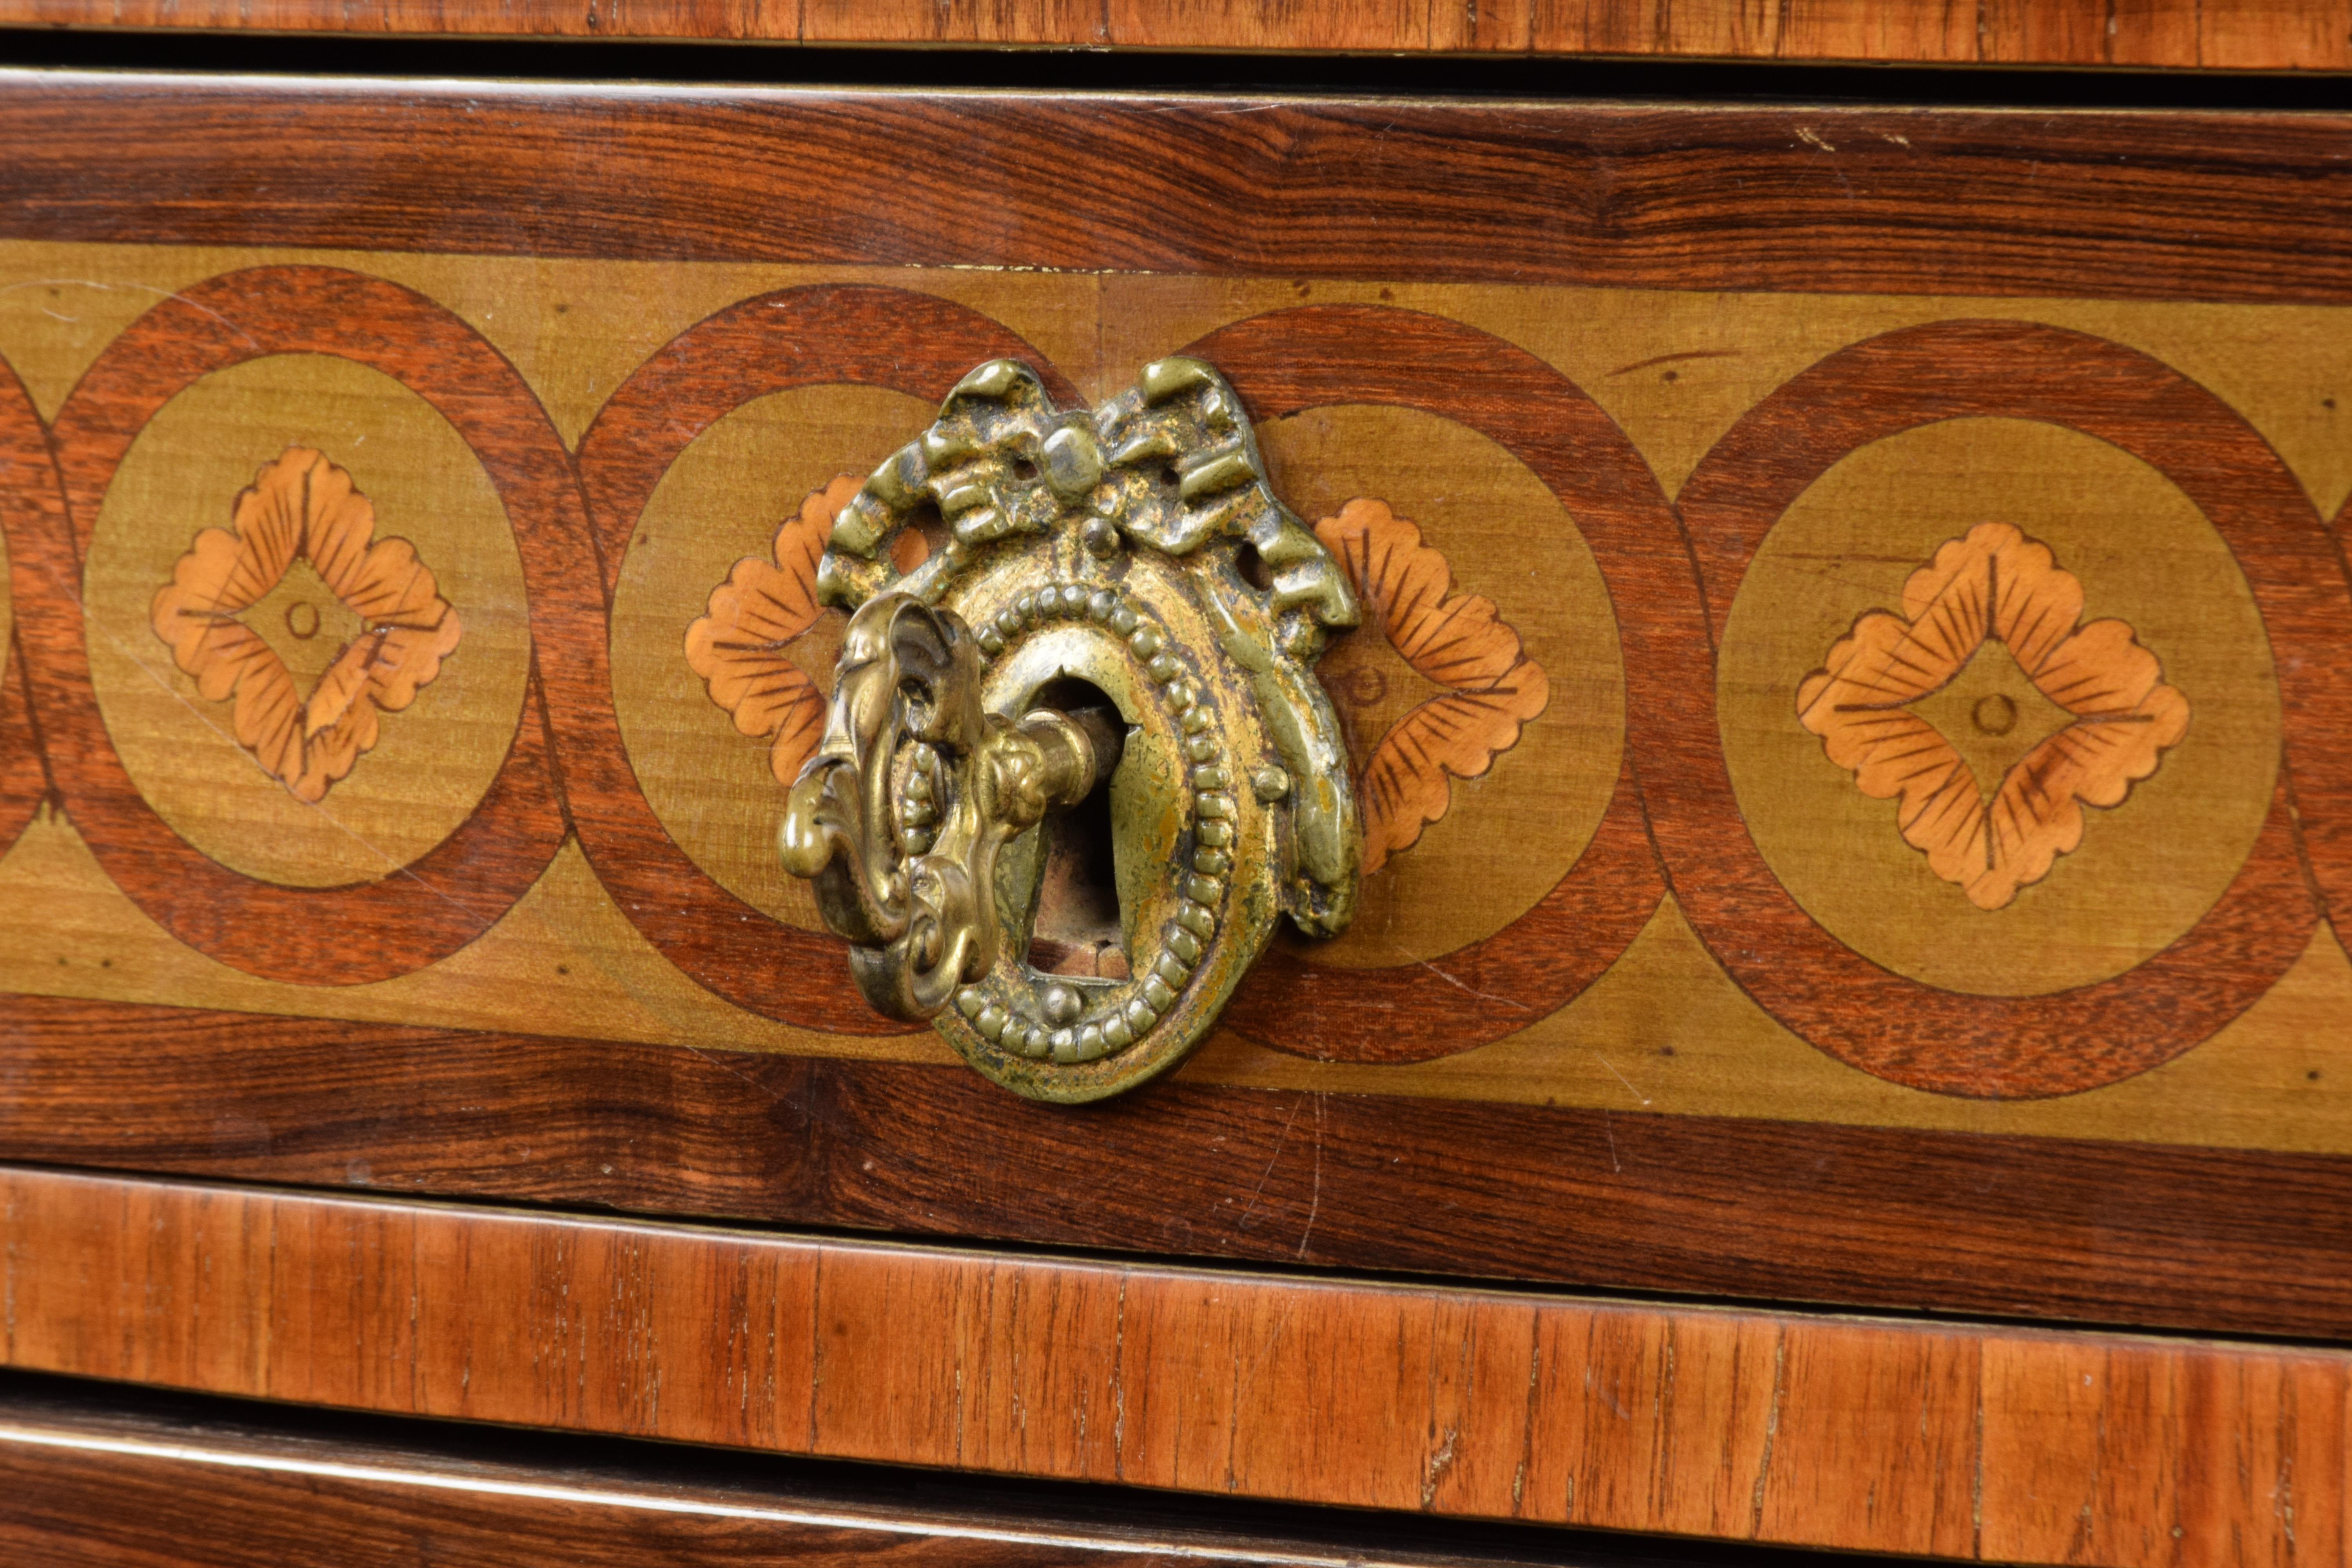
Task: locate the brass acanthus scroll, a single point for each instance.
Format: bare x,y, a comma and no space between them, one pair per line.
1100,600
903,865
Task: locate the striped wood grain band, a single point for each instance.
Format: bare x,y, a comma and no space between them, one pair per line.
2004,1444
2170,34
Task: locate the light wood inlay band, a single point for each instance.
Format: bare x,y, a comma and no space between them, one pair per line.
1996,1443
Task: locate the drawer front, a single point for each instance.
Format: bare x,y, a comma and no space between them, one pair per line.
1999,1442
1850,708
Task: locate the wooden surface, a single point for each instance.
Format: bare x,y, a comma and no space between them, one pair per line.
2172,34
2076,1230
1684,412
97,1474
1508,804
1641,939
2000,1443
2183,205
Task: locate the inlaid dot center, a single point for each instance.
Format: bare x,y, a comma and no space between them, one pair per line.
1994,714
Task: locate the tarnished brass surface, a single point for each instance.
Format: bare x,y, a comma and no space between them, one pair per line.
1113,594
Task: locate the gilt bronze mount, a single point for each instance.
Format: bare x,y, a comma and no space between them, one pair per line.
1049,607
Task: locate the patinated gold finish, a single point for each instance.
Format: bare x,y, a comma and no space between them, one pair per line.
1049,602
899,819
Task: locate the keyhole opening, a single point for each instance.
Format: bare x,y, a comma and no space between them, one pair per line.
1078,930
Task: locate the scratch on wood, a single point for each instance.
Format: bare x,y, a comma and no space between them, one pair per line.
1280,1139
1119,1386
1656,359
1771,1431
1315,1204
817,1345
1434,1471
1527,1428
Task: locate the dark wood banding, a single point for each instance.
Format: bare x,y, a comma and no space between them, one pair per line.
2186,205
97,1476
2215,1239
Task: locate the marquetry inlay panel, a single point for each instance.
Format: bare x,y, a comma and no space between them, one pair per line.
1897,710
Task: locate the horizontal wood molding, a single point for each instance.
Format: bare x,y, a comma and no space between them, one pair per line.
2173,35
2221,1240
2186,206
76,1492
2000,1443
96,1475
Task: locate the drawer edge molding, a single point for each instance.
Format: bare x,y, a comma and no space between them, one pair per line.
93,1475
2000,1442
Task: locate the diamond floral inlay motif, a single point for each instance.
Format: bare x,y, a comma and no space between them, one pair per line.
738,645
1899,706
1487,689
248,603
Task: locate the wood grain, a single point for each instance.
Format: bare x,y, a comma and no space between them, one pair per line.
2186,205
773,343
1843,1433
2120,1233
2253,933
94,1474
1286,362
1906,1436
2206,1240
565,959
337,936
2174,34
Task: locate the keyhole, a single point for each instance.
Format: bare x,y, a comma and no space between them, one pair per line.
1078,930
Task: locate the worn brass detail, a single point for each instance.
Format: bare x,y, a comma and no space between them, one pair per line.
1108,598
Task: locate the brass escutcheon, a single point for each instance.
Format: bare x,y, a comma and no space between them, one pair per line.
1054,607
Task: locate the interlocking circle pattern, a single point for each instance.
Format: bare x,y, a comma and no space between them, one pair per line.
439,902
1671,567
1896,1027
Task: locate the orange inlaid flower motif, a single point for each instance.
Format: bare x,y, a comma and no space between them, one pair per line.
300,508
738,645
1488,688
1994,585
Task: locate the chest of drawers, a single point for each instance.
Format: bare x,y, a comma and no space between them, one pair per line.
1842,1041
